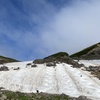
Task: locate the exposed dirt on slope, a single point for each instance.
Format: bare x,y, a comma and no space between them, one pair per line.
9,95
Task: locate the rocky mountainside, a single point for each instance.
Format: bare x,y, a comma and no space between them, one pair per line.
56,74
61,57
6,60
92,52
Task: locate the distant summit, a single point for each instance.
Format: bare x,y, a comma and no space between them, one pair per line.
92,52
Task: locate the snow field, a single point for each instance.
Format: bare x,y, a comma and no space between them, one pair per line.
60,79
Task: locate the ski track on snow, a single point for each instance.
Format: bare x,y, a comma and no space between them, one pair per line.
60,79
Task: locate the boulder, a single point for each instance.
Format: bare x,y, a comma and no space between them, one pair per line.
51,64
4,97
16,68
83,98
4,68
28,64
34,65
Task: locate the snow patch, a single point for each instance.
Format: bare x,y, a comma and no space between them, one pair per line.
60,79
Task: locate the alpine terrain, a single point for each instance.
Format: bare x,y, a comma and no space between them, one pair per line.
55,74
58,74
92,52
6,60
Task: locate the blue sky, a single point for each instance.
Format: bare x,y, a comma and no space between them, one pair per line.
31,29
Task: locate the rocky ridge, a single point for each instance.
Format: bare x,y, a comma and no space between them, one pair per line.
61,57
6,60
92,52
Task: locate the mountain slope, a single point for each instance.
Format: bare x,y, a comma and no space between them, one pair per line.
55,74
92,52
6,60
55,80
60,57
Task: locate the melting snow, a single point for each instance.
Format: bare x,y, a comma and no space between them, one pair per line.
60,79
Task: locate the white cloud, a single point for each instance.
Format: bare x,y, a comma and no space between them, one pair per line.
69,29
73,28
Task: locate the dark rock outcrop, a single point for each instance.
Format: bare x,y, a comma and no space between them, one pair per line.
4,68
16,68
28,64
95,70
10,95
82,98
60,57
34,65
51,64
